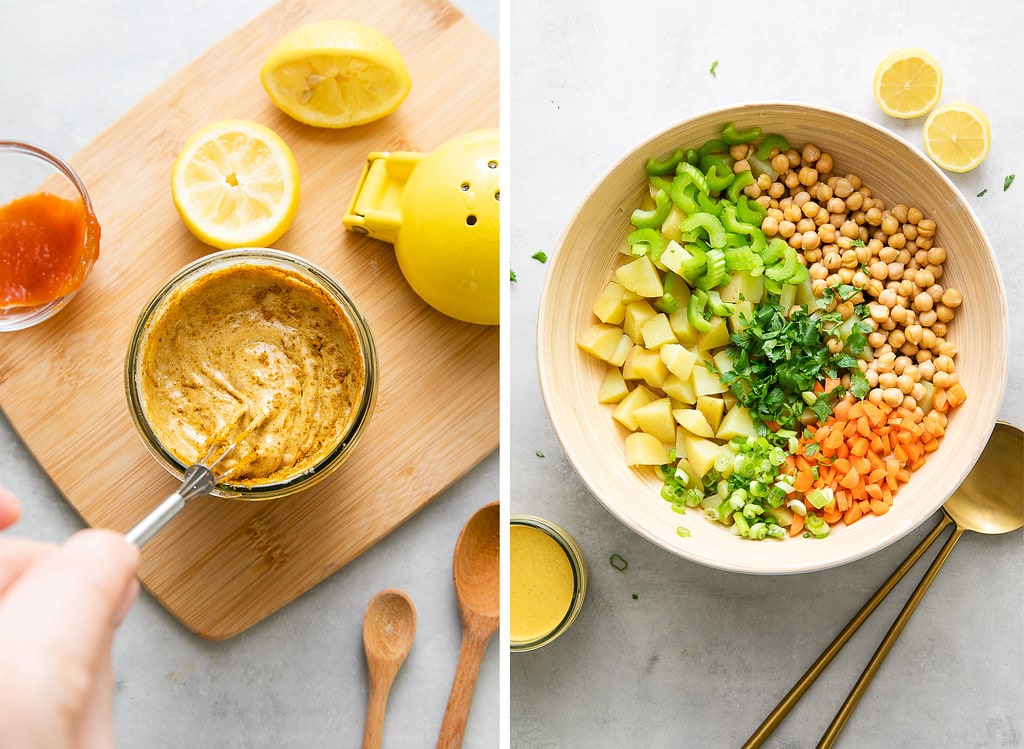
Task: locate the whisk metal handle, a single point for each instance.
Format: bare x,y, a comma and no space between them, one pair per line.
198,480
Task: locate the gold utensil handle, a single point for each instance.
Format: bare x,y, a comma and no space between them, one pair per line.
830,735
793,696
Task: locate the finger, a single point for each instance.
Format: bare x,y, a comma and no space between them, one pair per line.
10,509
95,727
62,613
16,556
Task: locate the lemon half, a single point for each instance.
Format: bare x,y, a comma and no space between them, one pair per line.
908,83
957,137
235,183
335,74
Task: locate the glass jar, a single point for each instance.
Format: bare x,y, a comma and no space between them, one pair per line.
547,581
49,235
247,348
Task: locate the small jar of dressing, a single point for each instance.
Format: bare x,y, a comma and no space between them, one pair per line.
547,581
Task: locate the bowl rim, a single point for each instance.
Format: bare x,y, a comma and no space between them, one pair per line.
220,260
642,150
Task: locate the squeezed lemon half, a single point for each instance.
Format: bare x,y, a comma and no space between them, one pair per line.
235,183
908,83
957,137
335,74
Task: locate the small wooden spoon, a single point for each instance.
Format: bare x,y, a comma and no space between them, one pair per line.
476,569
388,629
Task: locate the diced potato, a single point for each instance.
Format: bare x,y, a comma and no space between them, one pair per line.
686,334
670,226
657,331
613,387
805,294
728,399
649,367
640,276
636,397
629,365
678,359
723,362
609,307
928,401
673,256
693,421
624,347
736,423
637,313
693,480
655,418
705,382
600,340
741,315
679,389
644,450
783,515
701,454
715,338
713,408
742,285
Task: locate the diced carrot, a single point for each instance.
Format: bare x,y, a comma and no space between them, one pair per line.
804,480
851,479
861,465
874,491
853,514
834,439
849,429
797,526
831,514
844,410
877,476
956,395
842,500
879,507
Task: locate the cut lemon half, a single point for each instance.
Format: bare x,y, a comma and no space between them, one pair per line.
335,74
957,137
235,183
908,83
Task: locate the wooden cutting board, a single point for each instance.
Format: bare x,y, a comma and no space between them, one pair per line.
222,565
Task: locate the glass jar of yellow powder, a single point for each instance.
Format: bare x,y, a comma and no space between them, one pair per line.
547,581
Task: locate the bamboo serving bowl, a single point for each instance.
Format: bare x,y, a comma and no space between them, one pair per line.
583,262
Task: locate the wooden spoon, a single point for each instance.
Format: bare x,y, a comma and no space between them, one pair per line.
388,629
476,569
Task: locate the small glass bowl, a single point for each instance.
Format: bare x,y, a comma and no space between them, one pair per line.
249,258
578,564
26,170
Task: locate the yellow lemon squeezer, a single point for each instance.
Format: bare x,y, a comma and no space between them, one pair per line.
440,211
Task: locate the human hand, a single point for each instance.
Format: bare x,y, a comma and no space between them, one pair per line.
59,608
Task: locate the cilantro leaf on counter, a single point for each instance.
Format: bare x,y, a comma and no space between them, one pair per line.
714,67
540,256
1008,181
512,276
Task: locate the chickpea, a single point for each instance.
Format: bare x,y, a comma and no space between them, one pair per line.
777,189
923,301
943,313
875,396
911,370
849,229
860,279
924,278
885,361
890,225
843,188
927,369
850,259
895,271
834,345
939,328
942,380
897,338
810,240
764,181
825,163
898,313
897,240
946,348
876,339
752,191
925,243
924,355
806,224
872,377
874,287
887,254
909,403
908,348
900,211
810,209
741,164
909,231
791,179
905,383
794,158
739,151
808,176
818,286
935,270
952,298
927,318
903,257
919,391
873,216
770,225
796,240
846,275
786,229
914,215
812,256
780,163
887,380
827,233
878,270
913,333
935,292
817,271
936,255
892,397
926,227
928,338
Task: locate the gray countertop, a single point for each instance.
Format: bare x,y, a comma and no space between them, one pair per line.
670,653
297,679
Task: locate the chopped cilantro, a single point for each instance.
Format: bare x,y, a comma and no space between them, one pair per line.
540,256
512,276
714,67
982,192
777,358
635,597
1008,181
539,454
618,562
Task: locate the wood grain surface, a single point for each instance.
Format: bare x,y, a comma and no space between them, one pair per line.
222,565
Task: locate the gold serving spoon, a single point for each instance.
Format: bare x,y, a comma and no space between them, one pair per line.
989,501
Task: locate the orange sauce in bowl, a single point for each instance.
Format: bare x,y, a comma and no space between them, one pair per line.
46,245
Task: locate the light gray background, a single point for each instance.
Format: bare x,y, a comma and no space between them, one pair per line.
699,657
297,679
